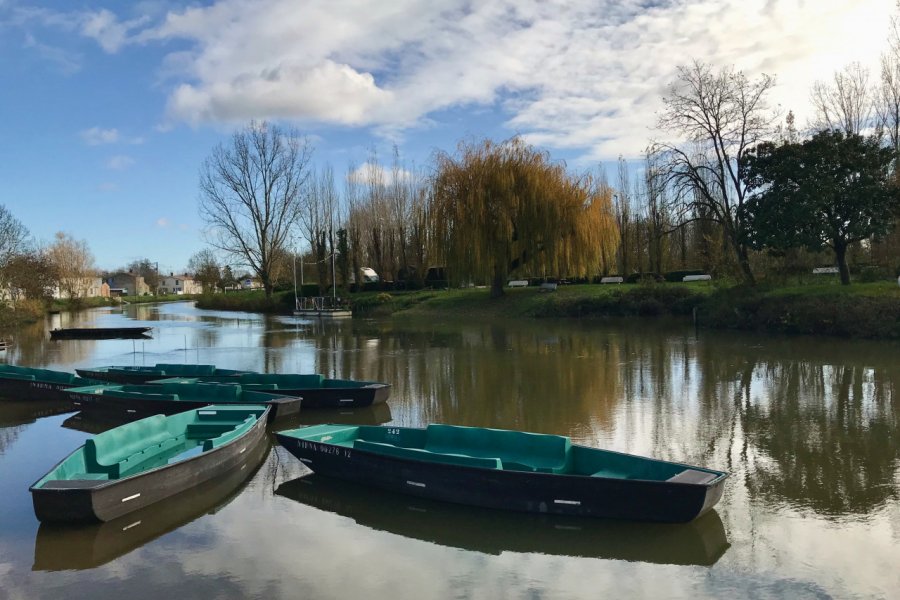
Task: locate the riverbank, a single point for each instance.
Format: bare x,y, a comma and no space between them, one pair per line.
862,310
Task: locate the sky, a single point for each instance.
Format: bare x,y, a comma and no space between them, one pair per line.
108,109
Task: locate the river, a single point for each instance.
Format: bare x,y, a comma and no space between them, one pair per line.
808,428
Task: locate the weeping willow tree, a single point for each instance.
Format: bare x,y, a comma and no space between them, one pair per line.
505,208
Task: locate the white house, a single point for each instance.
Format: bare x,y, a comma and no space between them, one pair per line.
179,284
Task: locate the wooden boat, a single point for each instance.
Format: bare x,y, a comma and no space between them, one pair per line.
26,383
99,333
513,470
700,542
158,371
140,463
173,398
316,390
62,547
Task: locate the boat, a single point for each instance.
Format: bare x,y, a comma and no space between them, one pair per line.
61,547
515,470
99,333
27,383
138,464
700,542
315,389
123,374
322,307
173,398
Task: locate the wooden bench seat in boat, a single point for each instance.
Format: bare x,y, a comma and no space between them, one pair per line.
517,450
692,476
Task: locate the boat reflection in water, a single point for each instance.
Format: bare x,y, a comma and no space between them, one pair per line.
21,412
64,547
700,542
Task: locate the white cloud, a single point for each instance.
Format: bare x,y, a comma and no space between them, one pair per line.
67,62
119,162
163,222
581,74
111,33
96,136
370,172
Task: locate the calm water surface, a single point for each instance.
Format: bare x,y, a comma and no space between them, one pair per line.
808,428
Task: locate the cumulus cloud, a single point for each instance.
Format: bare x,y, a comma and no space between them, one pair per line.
581,74
119,162
163,222
96,136
378,174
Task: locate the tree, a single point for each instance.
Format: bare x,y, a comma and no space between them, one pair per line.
228,278
73,264
31,275
250,193
846,103
206,269
829,191
721,116
500,207
149,270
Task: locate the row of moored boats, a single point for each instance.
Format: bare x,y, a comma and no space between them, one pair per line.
187,424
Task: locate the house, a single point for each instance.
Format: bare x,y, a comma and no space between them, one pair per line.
129,283
179,284
81,287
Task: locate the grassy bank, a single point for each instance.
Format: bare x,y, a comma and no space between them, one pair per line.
865,310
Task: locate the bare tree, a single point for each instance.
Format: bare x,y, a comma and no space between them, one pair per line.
206,269
250,194
844,104
13,236
73,264
719,117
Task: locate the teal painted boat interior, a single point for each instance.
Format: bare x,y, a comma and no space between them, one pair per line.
503,450
189,390
275,382
163,370
46,375
154,442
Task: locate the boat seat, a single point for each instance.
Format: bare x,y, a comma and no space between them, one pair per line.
106,450
174,370
136,461
141,395
428,456
692,476
236,430
205,429
610,474
309,381
539,452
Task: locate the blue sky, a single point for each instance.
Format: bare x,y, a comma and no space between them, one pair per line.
109,108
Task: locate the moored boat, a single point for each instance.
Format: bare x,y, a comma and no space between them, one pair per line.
27,383
61,547
140,463
513,470
99,333
172,398
315,389
125,374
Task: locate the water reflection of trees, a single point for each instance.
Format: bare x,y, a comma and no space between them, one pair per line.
830,433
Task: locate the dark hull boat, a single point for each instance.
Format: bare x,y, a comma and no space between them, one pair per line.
26,383
126,374
508,469
59,547
133,401
315,389
700,542
100,333
135,465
